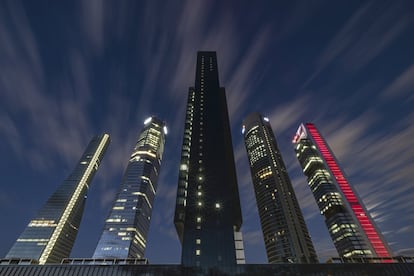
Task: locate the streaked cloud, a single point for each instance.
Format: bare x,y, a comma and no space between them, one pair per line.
401,86
49,113
367,33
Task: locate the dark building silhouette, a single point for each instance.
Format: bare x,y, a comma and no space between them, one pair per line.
351,228
404,267
126,228
207,214
285,233
50,235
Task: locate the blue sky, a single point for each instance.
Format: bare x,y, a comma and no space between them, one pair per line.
73,69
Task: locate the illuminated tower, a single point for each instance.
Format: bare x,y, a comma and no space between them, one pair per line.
207,214
349,224
49,237
285,233
126,228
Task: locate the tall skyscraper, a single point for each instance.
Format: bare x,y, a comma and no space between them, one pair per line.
207,215
285,233
49,237
350,225
126,228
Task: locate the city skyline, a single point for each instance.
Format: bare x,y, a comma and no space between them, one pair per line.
76,68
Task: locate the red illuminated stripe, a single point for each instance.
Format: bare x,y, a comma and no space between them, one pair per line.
356,207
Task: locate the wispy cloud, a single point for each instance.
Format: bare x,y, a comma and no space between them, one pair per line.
289,115
242,81
402,85
367,33
92,22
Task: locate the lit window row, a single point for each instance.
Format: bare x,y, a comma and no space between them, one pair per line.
264,173
42,223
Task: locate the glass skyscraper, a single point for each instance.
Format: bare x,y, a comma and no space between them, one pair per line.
285,233
49,237
350,225
126,228
207,215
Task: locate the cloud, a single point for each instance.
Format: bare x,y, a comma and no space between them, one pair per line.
59,123
402,85
242,81
367,33
92,22
288,115
9,129
406,229
345,134
405,252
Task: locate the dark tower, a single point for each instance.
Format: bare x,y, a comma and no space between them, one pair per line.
285,233
207,214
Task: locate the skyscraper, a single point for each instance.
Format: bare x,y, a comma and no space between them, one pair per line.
285,233
350,225
207,215
126,228
49,237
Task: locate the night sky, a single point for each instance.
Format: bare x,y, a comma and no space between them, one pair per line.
70,70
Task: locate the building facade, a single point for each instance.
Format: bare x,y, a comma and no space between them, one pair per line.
49,237
285,234
126,228
351,228
207,215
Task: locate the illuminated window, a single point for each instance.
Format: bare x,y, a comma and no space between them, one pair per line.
198,241
199,219
217,205
198,252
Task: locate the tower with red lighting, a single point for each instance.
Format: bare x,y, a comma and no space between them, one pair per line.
351,228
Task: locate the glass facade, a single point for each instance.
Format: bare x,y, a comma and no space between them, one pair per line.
207,215
49,237
126,228
285,233
349,224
